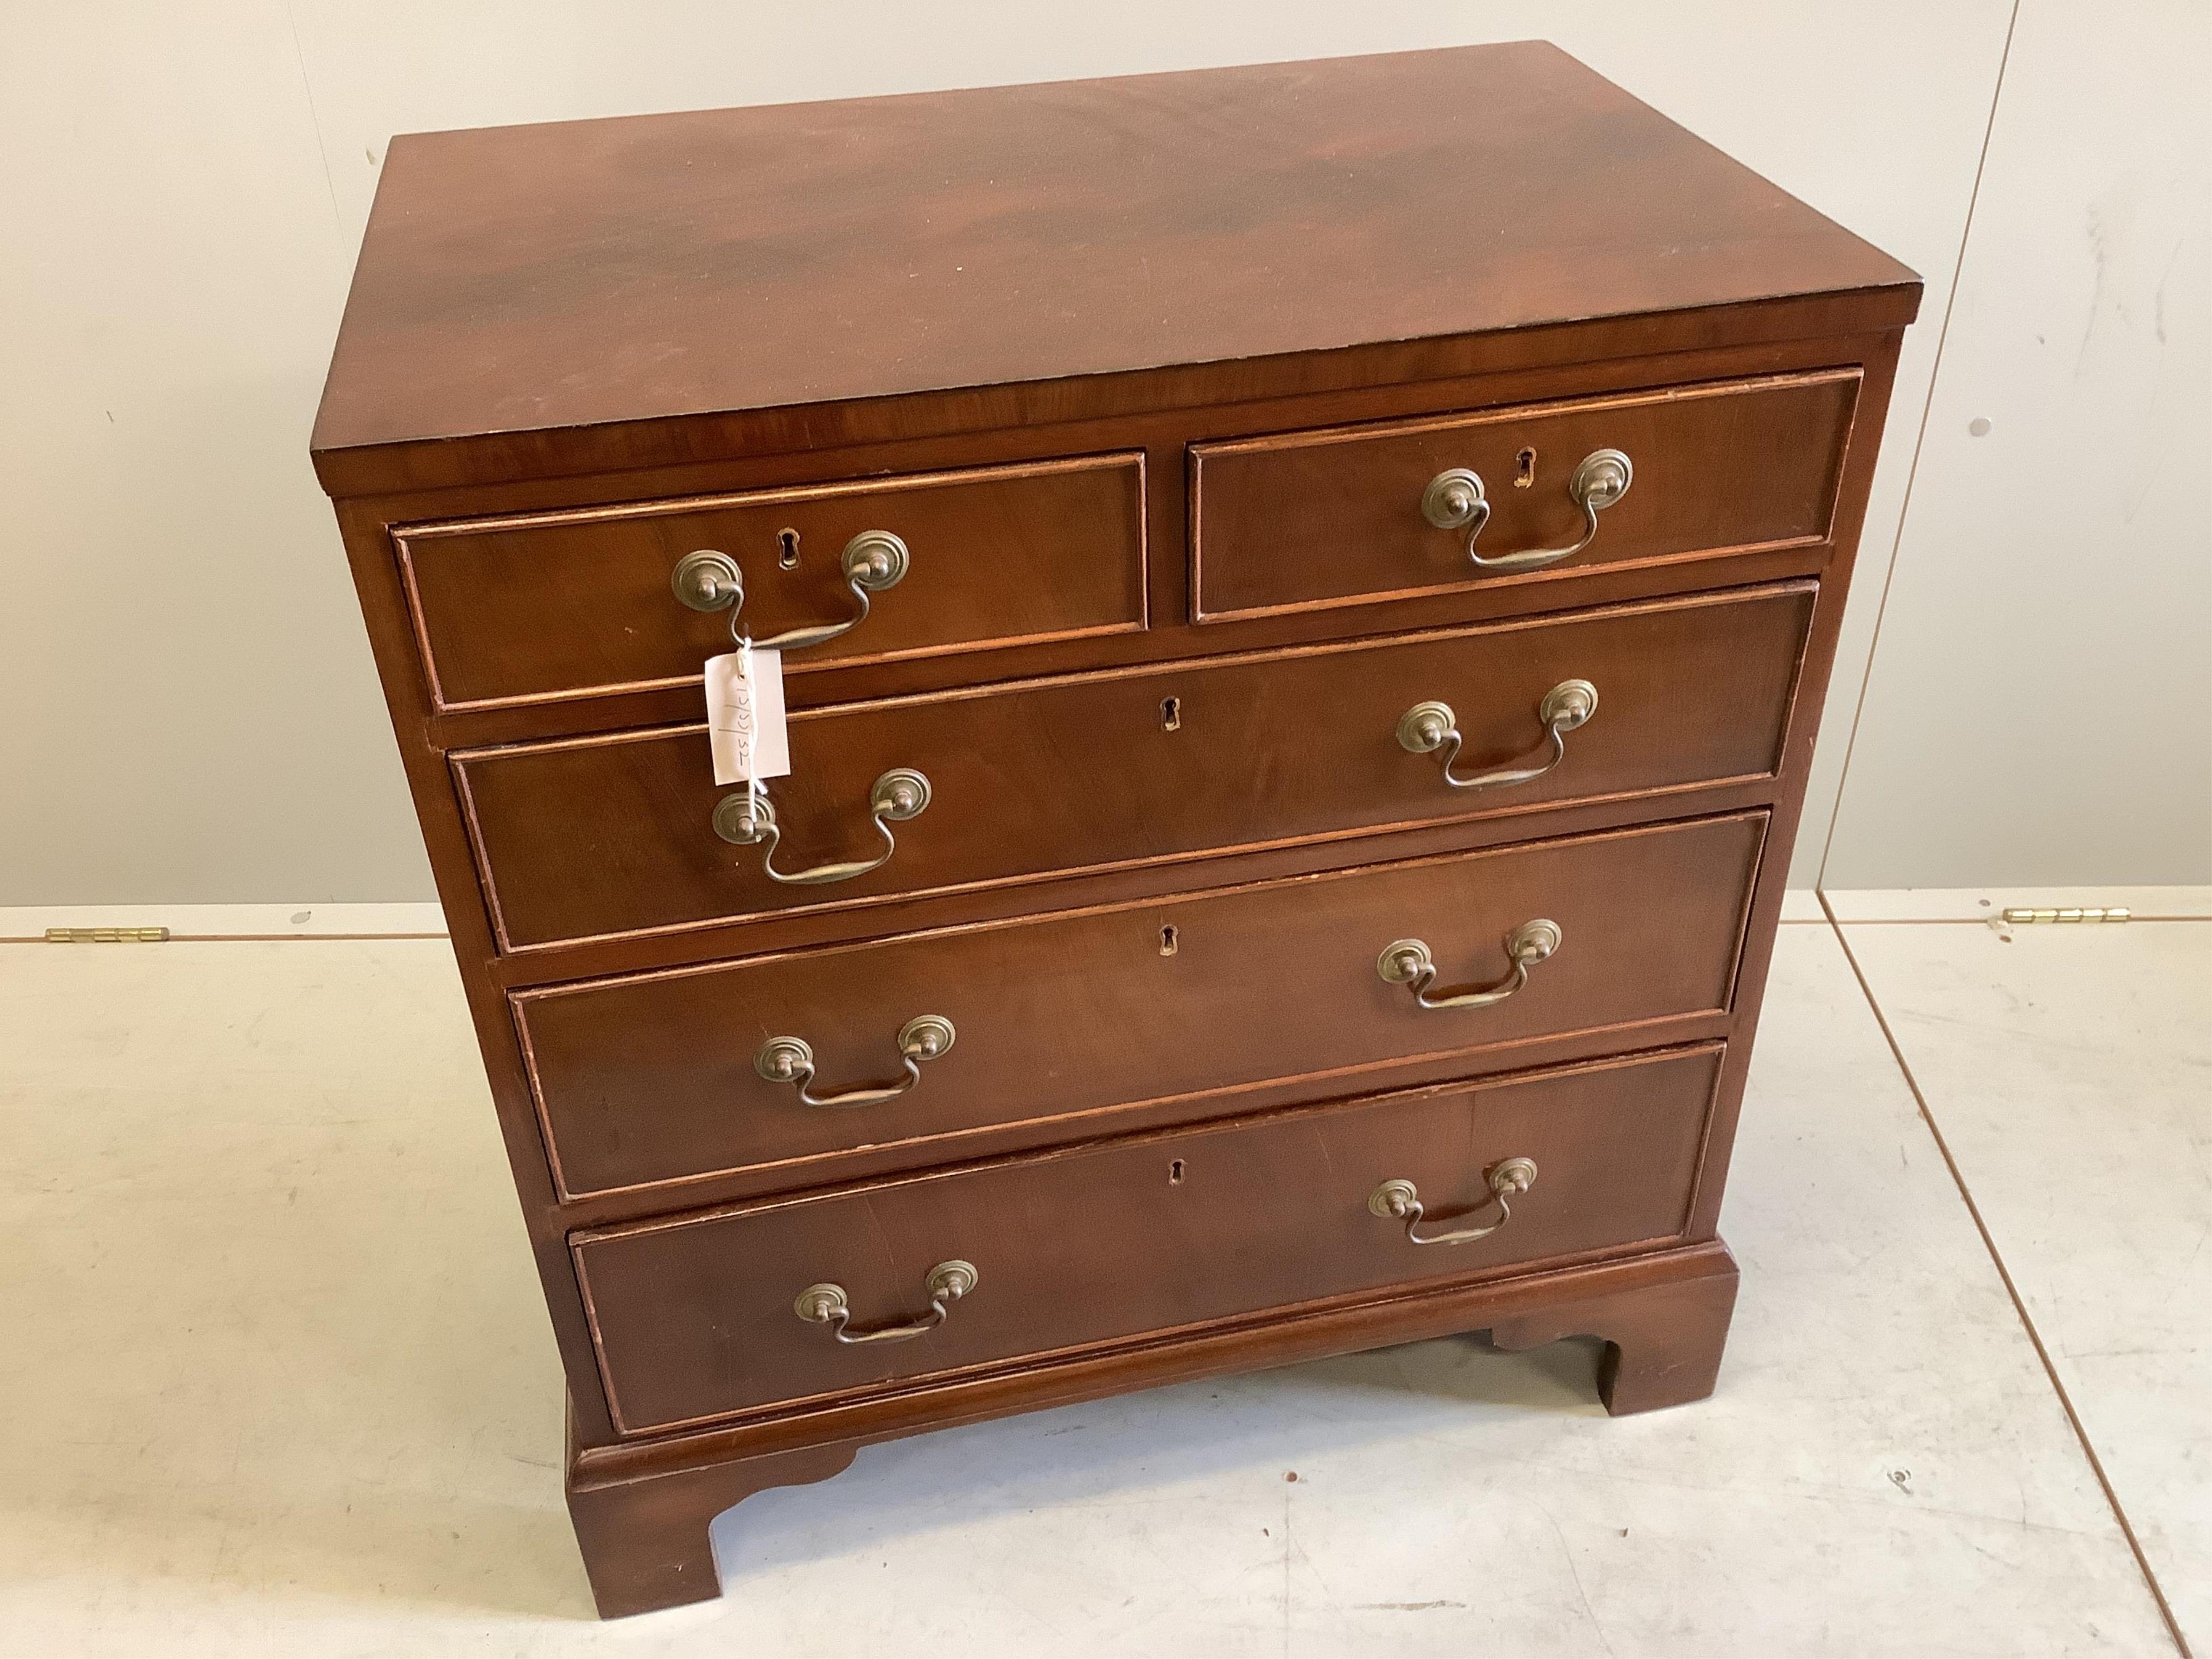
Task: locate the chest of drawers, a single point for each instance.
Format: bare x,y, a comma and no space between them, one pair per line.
1307,592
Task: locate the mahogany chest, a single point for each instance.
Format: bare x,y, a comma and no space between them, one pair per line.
1306,593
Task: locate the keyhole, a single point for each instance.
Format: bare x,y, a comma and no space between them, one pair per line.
1171,714
1526,462
1175,1172
1168,941
787,543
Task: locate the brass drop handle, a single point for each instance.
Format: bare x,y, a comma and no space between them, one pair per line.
747,819
1455,500
873,561
826,1304
1399,1201
1427,727
1406,962
789,1060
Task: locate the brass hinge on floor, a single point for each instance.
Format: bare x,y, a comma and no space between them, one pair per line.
2020,917
107,935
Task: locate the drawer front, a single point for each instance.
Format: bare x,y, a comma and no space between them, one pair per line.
696,1318
1309,519
553,605
656,1078
599,836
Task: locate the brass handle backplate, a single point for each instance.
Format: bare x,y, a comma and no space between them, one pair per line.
747,819
826,1304
1427,728
790,1060
1455,500
873,561
1399,1201
1407,962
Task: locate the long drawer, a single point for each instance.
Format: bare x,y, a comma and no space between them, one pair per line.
736,1310
549,605
601,837
1351,515
662,1077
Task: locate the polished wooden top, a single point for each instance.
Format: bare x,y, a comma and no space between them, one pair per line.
529,279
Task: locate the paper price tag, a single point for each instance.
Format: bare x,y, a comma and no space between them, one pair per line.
744,715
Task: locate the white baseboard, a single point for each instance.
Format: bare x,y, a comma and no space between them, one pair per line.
257,922
1798,904
1801,904
199,921
1885,905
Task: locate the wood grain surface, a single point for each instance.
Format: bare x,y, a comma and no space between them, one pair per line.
694,1316
531,279
1150,374
1304,520
651,1079
598,837
533,608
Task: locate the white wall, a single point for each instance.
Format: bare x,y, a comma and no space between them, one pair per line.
194,715
2040,707
190,711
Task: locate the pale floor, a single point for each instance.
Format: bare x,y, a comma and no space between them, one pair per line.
278,1382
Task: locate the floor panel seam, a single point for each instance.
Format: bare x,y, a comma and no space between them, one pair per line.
2012,1291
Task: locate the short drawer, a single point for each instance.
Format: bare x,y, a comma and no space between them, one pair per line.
591,837
1076,1017
717,1313
551,605
1304,520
